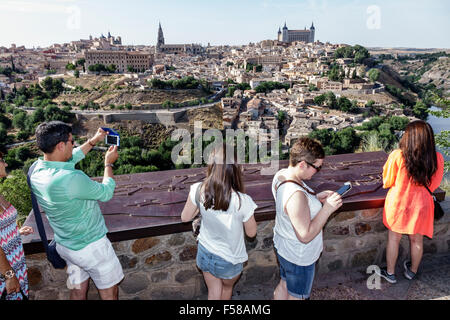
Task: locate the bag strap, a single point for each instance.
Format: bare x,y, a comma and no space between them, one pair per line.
295,182
36,211
431,193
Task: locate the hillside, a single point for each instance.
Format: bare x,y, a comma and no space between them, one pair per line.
152,134
439,75
137,98
118,90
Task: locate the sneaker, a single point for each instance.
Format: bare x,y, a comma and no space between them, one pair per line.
408,273
388,277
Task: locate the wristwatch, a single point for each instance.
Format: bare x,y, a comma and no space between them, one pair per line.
8,275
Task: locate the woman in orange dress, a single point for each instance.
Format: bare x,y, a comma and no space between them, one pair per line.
409,207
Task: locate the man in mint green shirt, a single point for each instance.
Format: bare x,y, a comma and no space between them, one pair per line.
69,198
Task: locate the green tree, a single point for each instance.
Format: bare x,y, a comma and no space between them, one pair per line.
373,74
19,120
346,140
443,138
319,100
398,123
81,62
334,73
70,66
97,68
111,68
330,100
372,124
420,110
344,104
76,74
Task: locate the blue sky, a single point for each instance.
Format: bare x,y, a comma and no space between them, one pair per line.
394,23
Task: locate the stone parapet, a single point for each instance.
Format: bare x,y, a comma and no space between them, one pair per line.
164,267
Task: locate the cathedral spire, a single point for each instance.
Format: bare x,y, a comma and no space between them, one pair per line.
160,40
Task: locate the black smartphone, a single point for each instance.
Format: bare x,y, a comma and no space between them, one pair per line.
112,140
345,188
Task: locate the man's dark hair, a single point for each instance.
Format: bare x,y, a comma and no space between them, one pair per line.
49,134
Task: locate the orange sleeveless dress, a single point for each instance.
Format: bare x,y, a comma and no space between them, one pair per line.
409,208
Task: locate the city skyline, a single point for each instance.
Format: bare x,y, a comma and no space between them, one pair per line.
369,23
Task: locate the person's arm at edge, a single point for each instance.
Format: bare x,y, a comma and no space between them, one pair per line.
12,284
190,210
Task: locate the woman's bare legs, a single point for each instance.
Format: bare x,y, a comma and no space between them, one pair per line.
416,247
392,250
214,286
219,289
227,287
281,292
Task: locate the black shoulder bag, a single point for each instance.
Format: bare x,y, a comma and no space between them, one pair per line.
52,255
438,212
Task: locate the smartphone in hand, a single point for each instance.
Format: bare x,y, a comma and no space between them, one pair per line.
112,137
345,188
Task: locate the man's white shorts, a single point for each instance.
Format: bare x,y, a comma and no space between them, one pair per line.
97,261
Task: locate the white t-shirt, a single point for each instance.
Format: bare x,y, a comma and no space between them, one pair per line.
285,241
222,232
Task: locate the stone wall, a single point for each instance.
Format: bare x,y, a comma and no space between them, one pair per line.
164,267
164,117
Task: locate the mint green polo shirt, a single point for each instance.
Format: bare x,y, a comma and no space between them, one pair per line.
69,198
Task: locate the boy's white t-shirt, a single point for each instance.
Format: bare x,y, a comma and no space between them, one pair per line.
222,232
285,241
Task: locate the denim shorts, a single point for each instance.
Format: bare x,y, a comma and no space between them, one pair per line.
217,266
299,279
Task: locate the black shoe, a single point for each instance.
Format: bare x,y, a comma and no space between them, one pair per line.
388,277
408,273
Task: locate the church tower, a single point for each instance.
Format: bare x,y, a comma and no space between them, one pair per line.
285,36
279,34
160,40
312,32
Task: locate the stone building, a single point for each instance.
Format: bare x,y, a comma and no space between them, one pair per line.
121,59
190,48
296,35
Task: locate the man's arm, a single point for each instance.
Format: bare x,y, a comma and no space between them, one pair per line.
88,145
82,187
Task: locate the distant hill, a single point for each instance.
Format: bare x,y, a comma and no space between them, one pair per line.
400,50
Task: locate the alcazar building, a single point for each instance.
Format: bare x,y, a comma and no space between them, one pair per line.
296,35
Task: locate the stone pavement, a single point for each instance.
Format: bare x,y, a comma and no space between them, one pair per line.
432,282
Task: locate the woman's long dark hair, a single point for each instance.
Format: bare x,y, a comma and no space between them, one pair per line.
222,179
419,152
